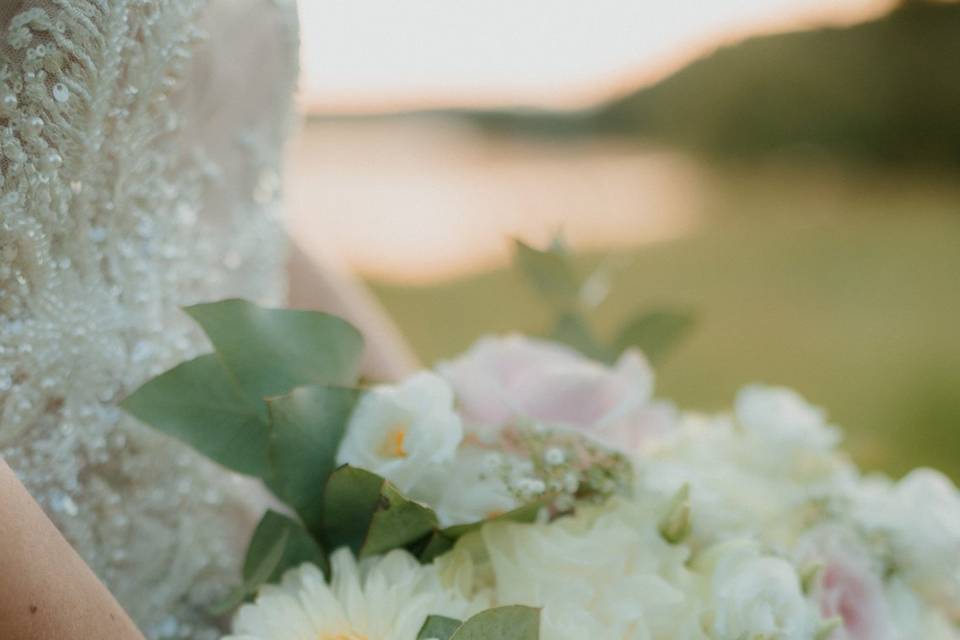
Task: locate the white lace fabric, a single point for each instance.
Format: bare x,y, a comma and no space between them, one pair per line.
140,154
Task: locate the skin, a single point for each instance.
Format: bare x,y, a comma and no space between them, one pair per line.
48,592
320,283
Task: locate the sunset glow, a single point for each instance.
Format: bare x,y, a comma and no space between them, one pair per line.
376,55
418,202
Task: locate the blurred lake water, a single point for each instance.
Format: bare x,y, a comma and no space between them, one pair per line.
836,280
423,201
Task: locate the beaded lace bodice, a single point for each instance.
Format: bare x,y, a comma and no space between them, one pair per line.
140,147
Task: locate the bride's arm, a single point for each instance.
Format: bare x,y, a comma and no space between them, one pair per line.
46,591
325,285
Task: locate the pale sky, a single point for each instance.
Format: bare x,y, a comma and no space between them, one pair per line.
385,54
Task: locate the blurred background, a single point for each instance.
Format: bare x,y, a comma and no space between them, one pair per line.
787,169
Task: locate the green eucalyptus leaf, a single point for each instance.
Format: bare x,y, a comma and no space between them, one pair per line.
307,426
550,273
572,329
200,403
397,522
271,351
525,513
513,622
299,547
363,511
655,333
267,562
438,628
350,498
233,600
440,541
431,546
262,561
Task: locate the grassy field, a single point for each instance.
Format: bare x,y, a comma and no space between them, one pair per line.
857,306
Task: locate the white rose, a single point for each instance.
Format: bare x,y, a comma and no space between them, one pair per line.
914,618
605,572
754,595
740,485
781,417
404,433
501,379
920,518
849,584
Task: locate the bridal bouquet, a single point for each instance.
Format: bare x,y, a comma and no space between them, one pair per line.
524,491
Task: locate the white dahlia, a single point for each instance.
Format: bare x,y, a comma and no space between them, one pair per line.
386,598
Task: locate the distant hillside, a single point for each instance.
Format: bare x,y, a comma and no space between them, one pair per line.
886,91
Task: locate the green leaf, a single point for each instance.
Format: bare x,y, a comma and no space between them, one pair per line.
307,426
550,273
201,404
257,570
233,600
514,622
350,499
397,522
366,513
655,333
266,563
215,403
431,546
299,547
573,330
525,513
271,351
438,627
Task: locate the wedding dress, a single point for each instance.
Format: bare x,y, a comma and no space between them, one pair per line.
140,154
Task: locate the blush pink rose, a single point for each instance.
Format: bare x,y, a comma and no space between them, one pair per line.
850,587
513,377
